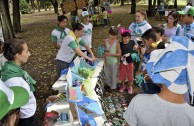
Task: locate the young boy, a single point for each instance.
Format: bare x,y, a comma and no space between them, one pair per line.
149,38
159,34
172,69
187,18
87,36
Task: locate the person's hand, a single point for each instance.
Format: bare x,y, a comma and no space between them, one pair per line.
92,59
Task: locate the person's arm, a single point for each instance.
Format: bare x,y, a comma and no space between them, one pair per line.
80,53
178,30
135,47
127,124
83,43
90,51
77,50
117,54
54,40
56,45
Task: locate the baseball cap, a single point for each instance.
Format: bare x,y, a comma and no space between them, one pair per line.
187,10
173,66
85,13
11,98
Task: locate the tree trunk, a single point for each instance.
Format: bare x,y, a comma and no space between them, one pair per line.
96,2
133,6
151,8
122,2
45,6
38,4
16,16
74,15
6,18
55,5
158,2
33,5
175,4
3,32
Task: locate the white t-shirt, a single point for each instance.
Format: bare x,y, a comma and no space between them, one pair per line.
87,36
151,110
57,34
142,29
66,53
28,109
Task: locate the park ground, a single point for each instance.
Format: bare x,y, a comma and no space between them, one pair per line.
36,31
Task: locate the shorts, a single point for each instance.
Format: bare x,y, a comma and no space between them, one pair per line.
126,72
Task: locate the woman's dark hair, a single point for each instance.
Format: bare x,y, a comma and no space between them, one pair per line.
159,30
84,9
150,34
12,47
175,16
126,34
77,26
61,18
113,30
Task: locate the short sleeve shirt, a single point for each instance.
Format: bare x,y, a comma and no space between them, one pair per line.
87,36
58,36
151,110
29,108
66,52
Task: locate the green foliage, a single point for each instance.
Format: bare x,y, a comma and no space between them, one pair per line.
24,7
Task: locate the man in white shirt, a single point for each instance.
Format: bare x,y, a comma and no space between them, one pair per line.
172,69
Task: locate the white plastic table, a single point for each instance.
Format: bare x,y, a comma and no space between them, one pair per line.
61,85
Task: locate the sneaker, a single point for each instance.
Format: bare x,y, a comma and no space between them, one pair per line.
130,90
122,88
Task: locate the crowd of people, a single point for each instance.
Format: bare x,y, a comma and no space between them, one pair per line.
165,52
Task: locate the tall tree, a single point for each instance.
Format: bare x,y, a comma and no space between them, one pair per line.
32,5
55,5
16,16
74,14
38,4
175,4
122,2
4,6
133,6
151,8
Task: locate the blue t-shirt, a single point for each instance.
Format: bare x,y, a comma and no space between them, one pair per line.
145,60
188,30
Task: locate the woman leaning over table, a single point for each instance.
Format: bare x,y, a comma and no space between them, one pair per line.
70,47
